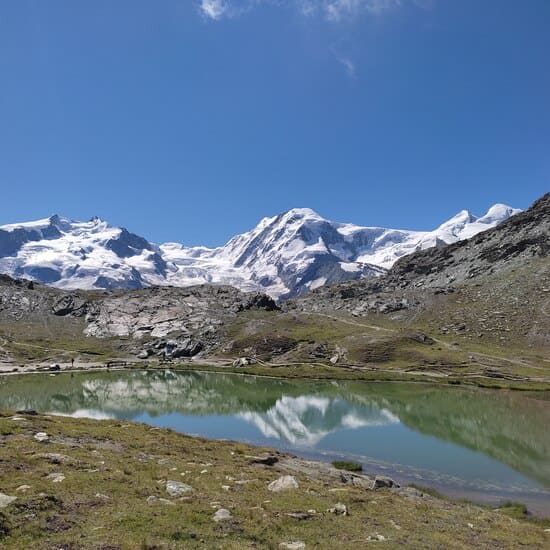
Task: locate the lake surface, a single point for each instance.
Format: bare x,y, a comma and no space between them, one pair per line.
489,446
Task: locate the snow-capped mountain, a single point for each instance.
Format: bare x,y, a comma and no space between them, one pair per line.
285,255
70,254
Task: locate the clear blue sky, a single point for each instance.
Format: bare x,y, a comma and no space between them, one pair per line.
190,120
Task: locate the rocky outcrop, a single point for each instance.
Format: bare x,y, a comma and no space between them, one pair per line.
165,322
70,304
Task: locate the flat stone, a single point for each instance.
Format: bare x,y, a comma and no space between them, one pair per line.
222,515
22,488
6,500
158,500
300,516
41,436
177,488
283,483
56,477
295,545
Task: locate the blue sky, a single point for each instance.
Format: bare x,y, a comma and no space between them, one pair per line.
191,120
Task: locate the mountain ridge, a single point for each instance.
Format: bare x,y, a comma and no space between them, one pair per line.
285,255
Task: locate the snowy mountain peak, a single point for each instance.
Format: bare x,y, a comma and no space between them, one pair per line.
463,217
300,213
284,255
497,213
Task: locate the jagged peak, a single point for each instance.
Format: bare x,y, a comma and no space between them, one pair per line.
301,213
498,213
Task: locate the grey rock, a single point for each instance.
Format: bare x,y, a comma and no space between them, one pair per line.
222,515
6,500
339,509
383,482
284,483
153,499
56,458
177,488
244,361
300,516
56,477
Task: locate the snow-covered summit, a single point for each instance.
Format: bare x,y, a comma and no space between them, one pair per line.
72,254
284,255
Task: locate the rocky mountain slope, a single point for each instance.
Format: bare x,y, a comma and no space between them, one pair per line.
165,322
285,255
496,284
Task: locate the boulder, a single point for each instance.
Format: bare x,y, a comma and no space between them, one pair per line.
339,509
6,500
259,301
222,515
244,361
382,482
184,348
284,483
177,488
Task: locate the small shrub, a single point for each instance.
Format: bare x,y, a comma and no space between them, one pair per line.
348,465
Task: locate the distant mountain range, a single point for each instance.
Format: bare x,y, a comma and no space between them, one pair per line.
285,255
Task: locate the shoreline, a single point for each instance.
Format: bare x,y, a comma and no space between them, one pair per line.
428,479
292,371
113,487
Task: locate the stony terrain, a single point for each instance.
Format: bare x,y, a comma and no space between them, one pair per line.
471,311
495,285
160,321
69,484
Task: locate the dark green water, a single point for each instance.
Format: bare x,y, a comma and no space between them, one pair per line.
484,445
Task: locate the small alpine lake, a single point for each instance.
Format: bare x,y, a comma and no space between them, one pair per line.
488,446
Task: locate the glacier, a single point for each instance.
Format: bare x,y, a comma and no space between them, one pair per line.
285,255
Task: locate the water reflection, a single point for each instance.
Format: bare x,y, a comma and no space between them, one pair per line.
306,420
482,437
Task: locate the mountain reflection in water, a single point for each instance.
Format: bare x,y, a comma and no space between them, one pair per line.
307,419
479,435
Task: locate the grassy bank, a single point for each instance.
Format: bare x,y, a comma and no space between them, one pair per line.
103,484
